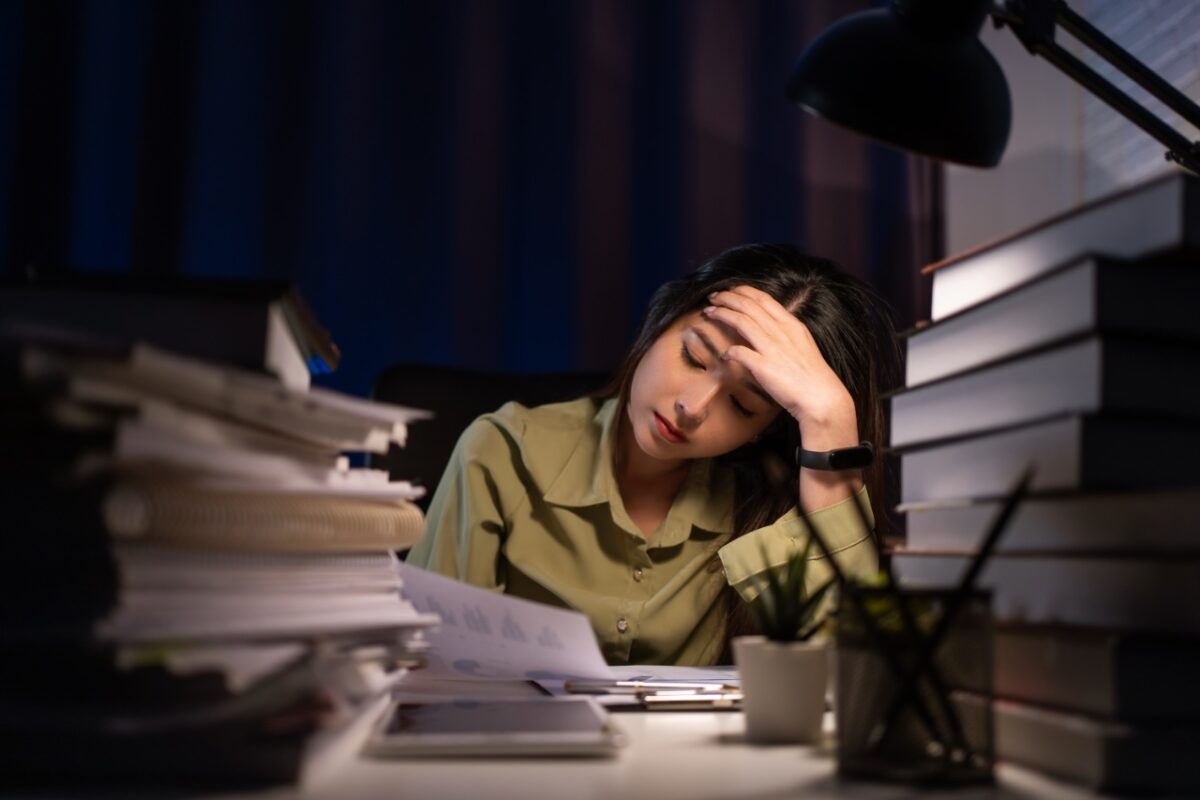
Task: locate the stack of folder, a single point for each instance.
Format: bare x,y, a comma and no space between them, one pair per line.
200,587
1072,347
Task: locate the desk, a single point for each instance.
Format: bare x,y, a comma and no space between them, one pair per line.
685,755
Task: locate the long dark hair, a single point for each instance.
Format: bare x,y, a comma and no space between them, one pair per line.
853,329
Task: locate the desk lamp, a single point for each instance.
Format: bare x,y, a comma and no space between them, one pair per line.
915,75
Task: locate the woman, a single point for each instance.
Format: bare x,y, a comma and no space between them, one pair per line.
654,506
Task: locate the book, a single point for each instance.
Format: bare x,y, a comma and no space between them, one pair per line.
322,417
251,572
1071,452
1089,294
1159,521
259,325
1133,592
1155,218
189,729
109,403
138,445
170,593
1116,675
1101,754
179,513
149,616
148,725
1096,373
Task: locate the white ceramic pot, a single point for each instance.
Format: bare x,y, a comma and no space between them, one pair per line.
783,688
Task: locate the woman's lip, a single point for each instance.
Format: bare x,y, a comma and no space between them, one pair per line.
670,433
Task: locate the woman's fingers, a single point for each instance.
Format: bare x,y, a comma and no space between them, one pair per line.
758,365
748,357
788,324
767,372
743,301
752,308
743,323
776,324
769,305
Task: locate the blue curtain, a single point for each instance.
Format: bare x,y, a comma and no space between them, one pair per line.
475,182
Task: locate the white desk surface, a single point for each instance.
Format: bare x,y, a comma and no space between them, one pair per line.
692,755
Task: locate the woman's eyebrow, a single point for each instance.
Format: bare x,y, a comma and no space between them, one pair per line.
712,348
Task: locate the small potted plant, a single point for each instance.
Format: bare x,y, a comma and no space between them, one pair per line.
784,671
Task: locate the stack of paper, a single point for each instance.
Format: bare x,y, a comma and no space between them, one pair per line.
202,587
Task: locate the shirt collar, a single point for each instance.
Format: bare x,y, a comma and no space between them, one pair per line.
705,500
585,478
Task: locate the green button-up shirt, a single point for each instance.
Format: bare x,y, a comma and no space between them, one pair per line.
529,506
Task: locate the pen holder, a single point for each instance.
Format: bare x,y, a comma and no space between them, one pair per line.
939,730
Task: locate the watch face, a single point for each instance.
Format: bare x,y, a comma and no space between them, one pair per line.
846,458
850,458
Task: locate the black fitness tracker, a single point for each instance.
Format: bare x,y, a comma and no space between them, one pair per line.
856,457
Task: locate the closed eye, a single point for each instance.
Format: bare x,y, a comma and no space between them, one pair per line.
692,362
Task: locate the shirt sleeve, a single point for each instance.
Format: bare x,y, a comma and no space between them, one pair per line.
747,558
465,526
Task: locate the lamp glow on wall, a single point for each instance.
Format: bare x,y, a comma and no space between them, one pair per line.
916,76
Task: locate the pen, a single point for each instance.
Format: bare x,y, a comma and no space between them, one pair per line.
908,685
643,687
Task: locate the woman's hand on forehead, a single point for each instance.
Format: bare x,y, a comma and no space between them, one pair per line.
783,358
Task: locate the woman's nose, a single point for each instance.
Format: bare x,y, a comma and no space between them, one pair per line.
693,404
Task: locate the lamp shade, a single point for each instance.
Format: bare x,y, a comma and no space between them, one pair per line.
913,75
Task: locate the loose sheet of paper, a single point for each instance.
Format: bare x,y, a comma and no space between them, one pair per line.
485,634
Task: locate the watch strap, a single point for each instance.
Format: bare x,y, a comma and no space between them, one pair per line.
857,457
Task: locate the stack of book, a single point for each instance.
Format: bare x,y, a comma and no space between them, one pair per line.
1072,347
261,325
200,587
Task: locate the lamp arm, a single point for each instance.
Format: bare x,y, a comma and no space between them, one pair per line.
1033,22
1121,58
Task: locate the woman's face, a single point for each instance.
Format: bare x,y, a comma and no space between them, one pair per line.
686,402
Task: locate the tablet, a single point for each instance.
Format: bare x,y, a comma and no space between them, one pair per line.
534,727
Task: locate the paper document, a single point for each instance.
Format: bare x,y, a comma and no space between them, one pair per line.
485,634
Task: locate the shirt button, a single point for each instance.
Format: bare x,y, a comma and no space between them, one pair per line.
622,625
637,574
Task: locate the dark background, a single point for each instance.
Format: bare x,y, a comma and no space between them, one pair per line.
473,182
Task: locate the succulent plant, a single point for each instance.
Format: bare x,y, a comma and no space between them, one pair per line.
784,610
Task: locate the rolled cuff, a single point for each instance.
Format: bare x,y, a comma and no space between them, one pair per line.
748,557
